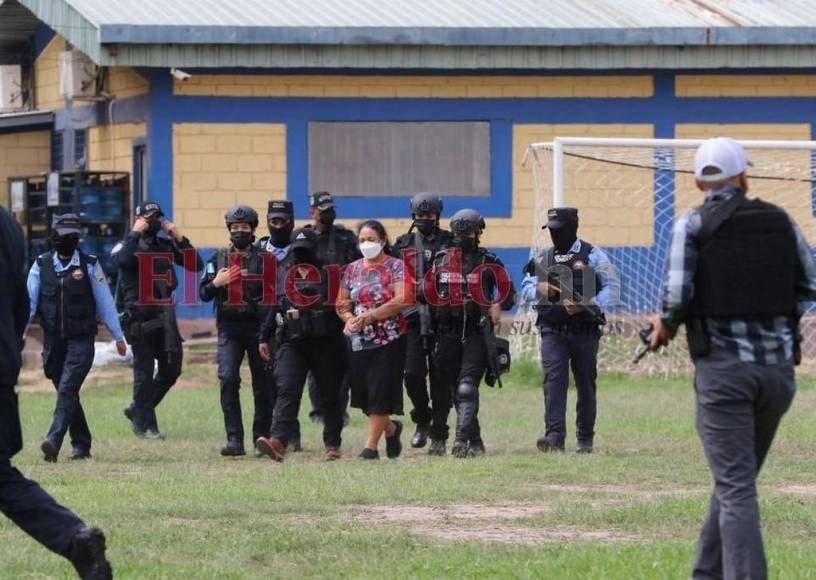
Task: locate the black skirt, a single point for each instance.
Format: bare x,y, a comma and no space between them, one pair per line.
376,378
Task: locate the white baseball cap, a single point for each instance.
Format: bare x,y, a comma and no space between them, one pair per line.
718,159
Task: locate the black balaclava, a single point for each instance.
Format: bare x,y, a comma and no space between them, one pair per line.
280,237
65,245
425,226
153,227
242,239
465,244
564,237
327,216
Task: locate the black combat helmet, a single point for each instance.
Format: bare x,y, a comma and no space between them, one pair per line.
241,214
466,221
426,203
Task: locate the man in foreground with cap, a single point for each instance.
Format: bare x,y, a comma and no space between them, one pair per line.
570,282
69,292
737,271
149,320
22,500
238,318
309,338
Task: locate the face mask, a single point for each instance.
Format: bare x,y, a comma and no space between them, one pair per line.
328,216
241,239
465,244
280,237
563,237
425,226
66,245
370,250
153,227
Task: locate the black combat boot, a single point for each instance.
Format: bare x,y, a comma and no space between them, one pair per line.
584,447
549,445
437,448
88,555
233,448
50,450
79,453
460,448
476,448
393,445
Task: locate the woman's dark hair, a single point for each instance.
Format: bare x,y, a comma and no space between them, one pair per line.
377,227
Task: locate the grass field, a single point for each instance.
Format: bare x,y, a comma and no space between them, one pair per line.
176,509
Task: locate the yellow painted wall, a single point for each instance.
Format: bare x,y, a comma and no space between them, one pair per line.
794,196
23,154
745,85
110,147
125,82
47,77
609,214
415,86
218,165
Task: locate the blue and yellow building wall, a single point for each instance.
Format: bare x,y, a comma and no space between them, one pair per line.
230,136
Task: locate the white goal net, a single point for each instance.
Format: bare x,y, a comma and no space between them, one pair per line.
628,193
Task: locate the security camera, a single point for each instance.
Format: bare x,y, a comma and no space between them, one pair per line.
180,75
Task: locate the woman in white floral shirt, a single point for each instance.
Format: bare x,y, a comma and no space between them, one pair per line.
370,302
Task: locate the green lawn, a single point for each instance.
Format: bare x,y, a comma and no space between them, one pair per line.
176,509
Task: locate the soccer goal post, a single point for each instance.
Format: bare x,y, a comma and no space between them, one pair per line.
629,193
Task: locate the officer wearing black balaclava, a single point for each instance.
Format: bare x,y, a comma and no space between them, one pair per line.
473,288
569,282
149,321
238,321
418,248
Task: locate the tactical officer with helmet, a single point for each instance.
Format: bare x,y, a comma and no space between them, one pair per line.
309,338
472,287
738,273
239,313
69,292
145,259
570,282
418,248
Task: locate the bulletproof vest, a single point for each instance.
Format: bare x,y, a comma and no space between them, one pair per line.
426,249
66,305
560,267
252,290
468,311
747,268
129,279
335,245
301,321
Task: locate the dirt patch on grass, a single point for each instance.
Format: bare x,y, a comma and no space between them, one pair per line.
407,513
626,490
808,490
499,533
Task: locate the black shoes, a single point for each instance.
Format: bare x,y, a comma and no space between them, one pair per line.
584,447
420,438
88,555
50,450
128,412
78,454
148,433
437,448
294,445
476,448
549,446
369,454
393,445
233,448
460,448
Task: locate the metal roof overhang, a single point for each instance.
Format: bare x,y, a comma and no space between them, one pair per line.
26,119
17,25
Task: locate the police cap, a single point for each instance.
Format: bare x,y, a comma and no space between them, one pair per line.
304,238
560,216
148,208
66,224
280,208
321,200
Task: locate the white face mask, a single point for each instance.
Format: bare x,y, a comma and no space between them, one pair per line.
370,250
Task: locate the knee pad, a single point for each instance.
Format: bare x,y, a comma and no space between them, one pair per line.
467,390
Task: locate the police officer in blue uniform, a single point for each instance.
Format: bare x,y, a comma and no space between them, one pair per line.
473,289
69,292
423,241
280,218
738,273
149,321
238,322
570,282
308,338
22,500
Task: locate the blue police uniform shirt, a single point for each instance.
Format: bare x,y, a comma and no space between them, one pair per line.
279,253
105,308
608,279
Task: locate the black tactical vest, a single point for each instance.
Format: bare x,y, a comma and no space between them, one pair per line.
571,268
747,268
66,305
425,248
456,288
301,320
129,280
252,290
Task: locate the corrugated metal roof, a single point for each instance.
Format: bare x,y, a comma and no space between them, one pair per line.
430,33
17,24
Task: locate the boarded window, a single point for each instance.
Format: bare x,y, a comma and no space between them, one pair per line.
400,159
